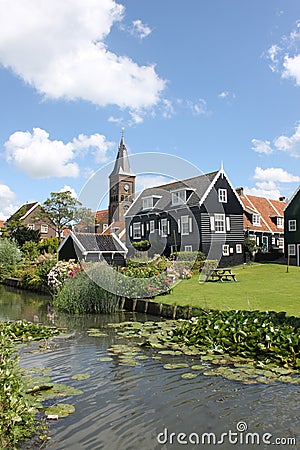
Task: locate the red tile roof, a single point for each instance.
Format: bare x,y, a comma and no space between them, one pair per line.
266,208
1,223
100,215
117,228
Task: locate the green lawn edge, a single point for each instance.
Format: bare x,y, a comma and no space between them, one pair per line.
263,287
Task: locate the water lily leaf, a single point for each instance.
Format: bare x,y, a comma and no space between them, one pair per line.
142,357
81,376
176,366
170,352
197,367
105,358
60,410
188,376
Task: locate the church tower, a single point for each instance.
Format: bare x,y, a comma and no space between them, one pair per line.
121,185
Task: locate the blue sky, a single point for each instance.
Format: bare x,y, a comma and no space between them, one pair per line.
204,80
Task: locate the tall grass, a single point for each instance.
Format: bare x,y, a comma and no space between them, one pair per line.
81,295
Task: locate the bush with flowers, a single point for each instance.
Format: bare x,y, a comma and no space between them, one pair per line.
61,272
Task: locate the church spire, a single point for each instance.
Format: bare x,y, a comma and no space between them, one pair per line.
122,166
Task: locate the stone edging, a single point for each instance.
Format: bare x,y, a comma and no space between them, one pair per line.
158,309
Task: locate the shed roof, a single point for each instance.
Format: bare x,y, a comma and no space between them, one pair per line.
91,242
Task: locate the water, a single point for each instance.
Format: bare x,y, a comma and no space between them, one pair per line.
125,408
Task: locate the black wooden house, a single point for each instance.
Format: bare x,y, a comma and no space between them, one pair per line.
202,213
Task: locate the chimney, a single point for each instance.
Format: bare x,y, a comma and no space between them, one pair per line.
281,199
240,191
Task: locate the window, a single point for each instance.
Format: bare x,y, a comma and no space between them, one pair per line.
239,248
280,243
44,228
280,222
292,225
188,248
185,225
152,226
164,227
220,223
225,250
178,197
105,226
292,249
31,226
222,193
147,202
256,220
137,230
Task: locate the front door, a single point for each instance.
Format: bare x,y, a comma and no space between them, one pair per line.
264,247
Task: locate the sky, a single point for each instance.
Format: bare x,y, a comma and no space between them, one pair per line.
209,81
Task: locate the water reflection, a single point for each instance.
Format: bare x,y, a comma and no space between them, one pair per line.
125,408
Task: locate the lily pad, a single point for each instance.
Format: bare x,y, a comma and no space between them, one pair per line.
188,376
176,366
105,358
197,367
60,410
81,376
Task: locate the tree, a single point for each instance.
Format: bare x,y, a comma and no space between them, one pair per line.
63,209
9,252
22,234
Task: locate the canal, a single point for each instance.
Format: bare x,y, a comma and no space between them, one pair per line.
144,406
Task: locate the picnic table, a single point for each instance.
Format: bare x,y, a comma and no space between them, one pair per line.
224,274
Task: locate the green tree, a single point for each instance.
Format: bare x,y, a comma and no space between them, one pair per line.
63,209
30,250
9,252
21,234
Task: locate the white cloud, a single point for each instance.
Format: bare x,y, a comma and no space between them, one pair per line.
96,143
275,174
36,155
139,29
267,193
67,188
8,202
290,144
146,181
199,107
40,157
291,67
60,49
261,146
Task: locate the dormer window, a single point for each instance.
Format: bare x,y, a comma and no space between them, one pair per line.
150,202
179,197
256,219
222,195
279,222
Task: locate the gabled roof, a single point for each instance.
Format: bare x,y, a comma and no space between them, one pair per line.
100,215
292,198
266,208
198,188
24,210
94,243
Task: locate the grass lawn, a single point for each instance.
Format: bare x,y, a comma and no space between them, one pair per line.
264,287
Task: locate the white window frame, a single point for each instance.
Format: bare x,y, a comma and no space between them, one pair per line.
239,248
44,228
105,226
137,232
280,242
164,227
179,197
280,222
292,225
220,223
147,202
188,248
222,195
151,226
225,250
185,225
256,220
292,249
31,226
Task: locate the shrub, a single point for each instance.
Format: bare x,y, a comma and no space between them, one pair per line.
142,246
81,295
30,250
48,245
9,252
60,272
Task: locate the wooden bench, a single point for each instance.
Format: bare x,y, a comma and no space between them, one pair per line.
222,275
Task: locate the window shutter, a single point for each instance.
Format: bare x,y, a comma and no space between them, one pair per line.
147,226
228,223
130,231
179,223
159,226
190,224
212,223
168,222
142,229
